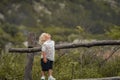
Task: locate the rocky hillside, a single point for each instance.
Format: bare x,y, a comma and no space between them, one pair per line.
94,15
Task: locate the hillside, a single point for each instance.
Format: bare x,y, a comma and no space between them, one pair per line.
93,15
61,18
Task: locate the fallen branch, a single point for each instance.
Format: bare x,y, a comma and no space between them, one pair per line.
106,78
68,45
106,59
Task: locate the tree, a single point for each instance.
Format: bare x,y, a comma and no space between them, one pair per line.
10,33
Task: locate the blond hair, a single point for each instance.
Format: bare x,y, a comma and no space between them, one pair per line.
43,37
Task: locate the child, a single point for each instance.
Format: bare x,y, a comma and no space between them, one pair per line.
47,55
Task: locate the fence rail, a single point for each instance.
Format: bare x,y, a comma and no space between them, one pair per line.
68,45
108,78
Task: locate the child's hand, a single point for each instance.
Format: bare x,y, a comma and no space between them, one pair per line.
45,60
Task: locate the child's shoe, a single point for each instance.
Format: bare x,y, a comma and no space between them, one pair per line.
51,78
42,78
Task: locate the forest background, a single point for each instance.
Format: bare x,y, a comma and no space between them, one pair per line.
67,21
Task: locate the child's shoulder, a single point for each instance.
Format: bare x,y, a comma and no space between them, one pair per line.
50,42
53,41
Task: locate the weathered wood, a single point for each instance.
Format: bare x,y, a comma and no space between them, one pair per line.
30,58
68,45
107,78
28,67
25,50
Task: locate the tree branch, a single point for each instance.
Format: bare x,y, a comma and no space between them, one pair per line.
68,45
106,59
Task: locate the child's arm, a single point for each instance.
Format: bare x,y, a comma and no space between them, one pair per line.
44,57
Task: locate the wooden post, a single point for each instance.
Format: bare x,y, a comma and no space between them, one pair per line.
30,57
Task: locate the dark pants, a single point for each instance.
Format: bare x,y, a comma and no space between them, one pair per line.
46,66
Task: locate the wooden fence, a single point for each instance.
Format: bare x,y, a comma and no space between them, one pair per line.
32,49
